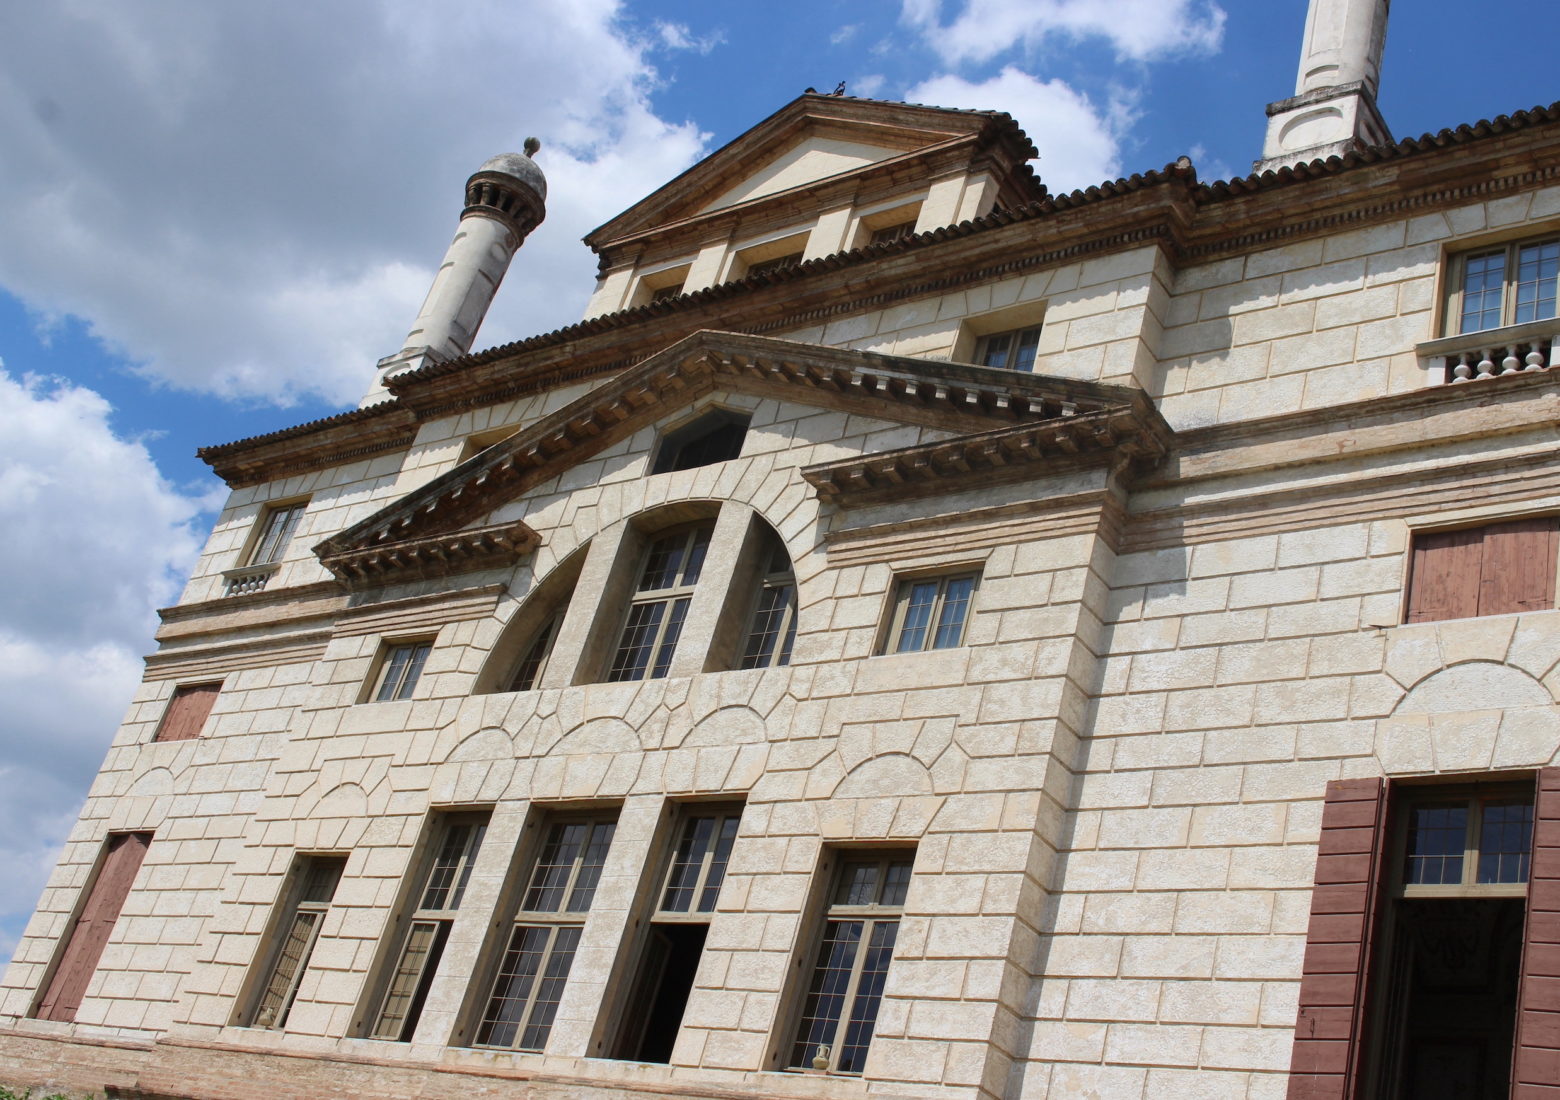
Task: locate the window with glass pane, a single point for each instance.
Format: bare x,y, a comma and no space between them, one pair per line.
398,672
276,531
539,949
1480,843
932,612
534,662
1508,285
314,880
699,862
442,886
891,233
772,632
670,570
846,988
1013,350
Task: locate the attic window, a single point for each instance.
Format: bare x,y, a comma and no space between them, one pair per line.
714,437
890,233
779,263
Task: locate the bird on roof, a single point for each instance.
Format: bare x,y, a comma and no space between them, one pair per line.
839,89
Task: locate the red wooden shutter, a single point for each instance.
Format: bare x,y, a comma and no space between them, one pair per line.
1326,1058
1518,568
1535,1070
187,712
88,936
1443,581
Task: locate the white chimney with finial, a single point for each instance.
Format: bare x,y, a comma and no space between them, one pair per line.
506,198
1333,110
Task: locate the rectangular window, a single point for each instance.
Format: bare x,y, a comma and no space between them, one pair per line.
931,612
890,233
1493,570
666,293
1013,350
277,526
314,885
770,267
671,568
399,670
187,712
841,1006
89,933
442,886
1509,284
674,940
539,950
772,632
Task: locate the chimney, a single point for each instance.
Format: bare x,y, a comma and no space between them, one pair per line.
1333,109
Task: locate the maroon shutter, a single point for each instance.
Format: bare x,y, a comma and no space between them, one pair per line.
187,712
1326,1057
88,936
1535,1068
1443,581
1518,568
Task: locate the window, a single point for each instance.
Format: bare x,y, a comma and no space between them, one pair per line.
772,632
931,612
841,1007
276,531
890,233
715,436
315,881
88,935
674,941
534,966
1013,350
1493,570
442,887
534,661
666,293
187,712
770,267
1508,284
1450,965
655,617
399,670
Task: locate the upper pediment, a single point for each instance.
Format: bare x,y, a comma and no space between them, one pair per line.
811,139
431,530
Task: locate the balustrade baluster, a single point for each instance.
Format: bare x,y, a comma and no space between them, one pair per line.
1486,365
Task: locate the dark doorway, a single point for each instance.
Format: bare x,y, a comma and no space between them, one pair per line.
655,1011
1447,1017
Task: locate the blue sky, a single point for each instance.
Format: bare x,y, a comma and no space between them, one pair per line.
215,218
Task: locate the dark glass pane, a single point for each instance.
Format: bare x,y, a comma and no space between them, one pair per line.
319,882
869,994
1027,343
639,634
535,654
1505,841
395,672
722,856
668,646
994,350
1537,265
895,883
687,862
858,884
553,865
512,988
549,991
825,1001
775,604
918,616
1483,280
1436,836
591,861
955,606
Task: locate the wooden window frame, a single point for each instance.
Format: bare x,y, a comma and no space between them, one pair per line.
533,662
723,814
1510,251
394,681
1490,592
763,647
276,993
665,631
174,725
560,924
1009,343
803,1036
409,977
905,586
274,531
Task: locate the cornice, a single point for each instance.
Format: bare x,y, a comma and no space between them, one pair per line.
492,547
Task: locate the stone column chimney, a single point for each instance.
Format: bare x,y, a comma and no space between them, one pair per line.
505,199
1333,109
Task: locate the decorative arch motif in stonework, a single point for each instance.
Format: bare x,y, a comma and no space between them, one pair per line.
1474,716
147,801
735,725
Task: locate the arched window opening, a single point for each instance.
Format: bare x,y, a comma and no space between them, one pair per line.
772,630
669,570
520,660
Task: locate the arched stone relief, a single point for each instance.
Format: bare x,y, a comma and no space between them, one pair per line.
1470,717
479,769
726,726
146,803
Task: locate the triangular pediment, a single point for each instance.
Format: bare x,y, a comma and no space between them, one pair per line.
811,139
443,527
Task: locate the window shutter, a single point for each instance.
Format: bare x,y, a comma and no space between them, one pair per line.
1518,568
1536,1065
1445,578
187,712
90,933
1326,1058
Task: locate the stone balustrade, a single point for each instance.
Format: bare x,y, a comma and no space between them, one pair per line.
248,579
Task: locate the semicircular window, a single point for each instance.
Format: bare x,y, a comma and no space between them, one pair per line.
716,436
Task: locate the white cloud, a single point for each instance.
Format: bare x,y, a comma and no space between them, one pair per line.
1138,30
251,203
1079,143
677,36
96,539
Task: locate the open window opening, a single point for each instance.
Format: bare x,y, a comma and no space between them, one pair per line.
715,436
674,939
1449,966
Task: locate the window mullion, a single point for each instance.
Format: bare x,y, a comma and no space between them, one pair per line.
848,1002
